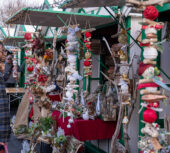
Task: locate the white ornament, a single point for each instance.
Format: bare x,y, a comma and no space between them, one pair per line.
28,52
150,130
124,87
69,114
150,30
70,120
71,38
148,73
124,70
69,94
125,120
150,53
151,89
68,126
98,105
71,58
85,116
77,76
50,88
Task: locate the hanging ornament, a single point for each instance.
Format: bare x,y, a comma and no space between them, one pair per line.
150,130
82,99
27,36
87,63
87,60
151,32
68,126
30,68
86,115
150,13
98,105
149,116
125,120
150,53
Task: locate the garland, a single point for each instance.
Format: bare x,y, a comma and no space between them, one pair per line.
150,93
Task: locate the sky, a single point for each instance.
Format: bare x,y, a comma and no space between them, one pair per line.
38,1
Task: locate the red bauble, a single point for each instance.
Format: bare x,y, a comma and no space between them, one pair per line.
157,26
156,104
88,35
87,63
27,36
30,68
88,46
150,13
149,116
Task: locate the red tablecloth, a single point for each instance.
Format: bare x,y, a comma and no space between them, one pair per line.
86,130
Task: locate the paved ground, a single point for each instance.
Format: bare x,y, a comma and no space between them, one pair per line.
14,145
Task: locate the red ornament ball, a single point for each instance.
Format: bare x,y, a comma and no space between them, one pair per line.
27,36
150,13
88,46
149,116
87,63
30,68
156,104
88,35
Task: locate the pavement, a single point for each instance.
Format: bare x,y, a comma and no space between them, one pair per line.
14,145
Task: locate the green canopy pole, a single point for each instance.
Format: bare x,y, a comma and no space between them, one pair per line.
22,75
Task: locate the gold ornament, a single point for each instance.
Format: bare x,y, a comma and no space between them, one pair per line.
87,55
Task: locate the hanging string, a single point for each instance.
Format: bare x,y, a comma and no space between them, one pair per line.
101,63
122,27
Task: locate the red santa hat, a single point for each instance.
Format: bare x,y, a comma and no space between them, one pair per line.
143,67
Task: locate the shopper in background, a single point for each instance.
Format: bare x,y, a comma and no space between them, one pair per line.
10,81
4,105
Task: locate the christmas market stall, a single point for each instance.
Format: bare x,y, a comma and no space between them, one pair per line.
58,98
85,87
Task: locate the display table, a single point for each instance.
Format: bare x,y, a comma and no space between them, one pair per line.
15,93
14,90
85,130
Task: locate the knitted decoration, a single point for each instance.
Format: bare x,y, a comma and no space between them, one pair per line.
151,13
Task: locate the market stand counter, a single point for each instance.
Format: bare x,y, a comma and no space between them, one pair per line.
85,130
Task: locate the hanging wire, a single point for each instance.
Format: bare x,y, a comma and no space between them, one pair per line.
116,20
101,63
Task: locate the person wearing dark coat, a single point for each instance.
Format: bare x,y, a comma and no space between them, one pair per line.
10,81
4,105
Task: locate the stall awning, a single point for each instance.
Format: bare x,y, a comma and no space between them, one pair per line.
91,3
19,39
55,18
